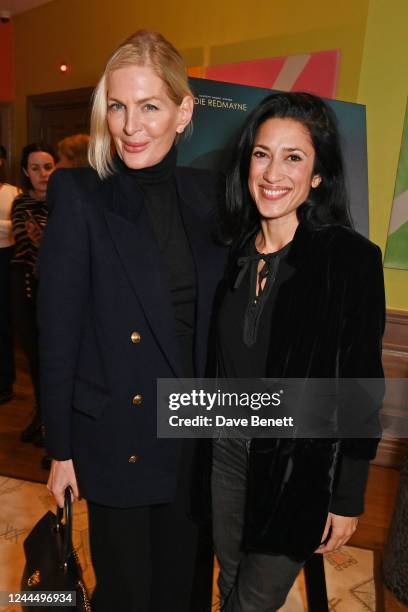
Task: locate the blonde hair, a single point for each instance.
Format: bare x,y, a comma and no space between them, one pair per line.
75,149
143,48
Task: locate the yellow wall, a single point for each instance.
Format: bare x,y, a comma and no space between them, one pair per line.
384,89
370,33
84,33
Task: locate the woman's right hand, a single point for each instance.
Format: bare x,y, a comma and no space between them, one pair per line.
34,233
62,475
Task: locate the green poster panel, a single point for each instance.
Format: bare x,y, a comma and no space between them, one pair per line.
396,253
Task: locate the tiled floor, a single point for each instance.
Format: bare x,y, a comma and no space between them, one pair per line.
349,572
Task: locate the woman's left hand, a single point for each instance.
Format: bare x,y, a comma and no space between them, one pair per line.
342,528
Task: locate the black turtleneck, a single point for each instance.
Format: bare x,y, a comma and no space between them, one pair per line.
162,204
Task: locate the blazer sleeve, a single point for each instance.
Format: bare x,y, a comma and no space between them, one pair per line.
360,353
64,280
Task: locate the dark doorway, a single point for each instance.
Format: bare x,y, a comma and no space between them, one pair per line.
6,137
54,116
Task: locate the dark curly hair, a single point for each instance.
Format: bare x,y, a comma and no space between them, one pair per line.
325,205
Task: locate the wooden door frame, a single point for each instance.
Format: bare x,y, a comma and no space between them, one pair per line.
37,104
7,134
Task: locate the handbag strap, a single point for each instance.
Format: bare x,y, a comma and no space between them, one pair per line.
67,530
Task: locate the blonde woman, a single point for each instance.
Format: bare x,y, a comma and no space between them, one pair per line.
128,270
73,151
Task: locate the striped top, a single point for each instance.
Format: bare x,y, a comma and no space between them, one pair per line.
26,251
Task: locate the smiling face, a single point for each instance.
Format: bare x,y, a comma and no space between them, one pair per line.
281,169
142,119
40,166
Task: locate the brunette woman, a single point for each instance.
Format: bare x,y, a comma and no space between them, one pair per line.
303,298
29,217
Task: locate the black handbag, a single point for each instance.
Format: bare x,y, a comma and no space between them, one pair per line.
52,564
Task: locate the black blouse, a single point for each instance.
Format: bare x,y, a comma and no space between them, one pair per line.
244,318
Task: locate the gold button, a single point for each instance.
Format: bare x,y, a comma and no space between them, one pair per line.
135,337
133,459
137,399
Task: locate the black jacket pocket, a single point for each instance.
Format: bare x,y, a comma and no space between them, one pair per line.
89,398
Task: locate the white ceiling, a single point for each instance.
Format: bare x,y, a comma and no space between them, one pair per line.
20,6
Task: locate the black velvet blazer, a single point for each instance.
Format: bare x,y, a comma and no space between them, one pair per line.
107,328
328,321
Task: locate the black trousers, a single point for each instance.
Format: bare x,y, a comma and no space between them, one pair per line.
151,558
24,288
7,367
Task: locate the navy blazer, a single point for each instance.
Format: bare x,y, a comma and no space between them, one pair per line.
101,278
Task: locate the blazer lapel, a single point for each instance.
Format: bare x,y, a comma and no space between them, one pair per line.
137,248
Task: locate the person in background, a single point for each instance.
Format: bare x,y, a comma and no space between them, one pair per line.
73,151
7,367
303,298
29,217
128,270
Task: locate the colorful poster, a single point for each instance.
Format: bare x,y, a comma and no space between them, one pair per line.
396,253
220,110
313,72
